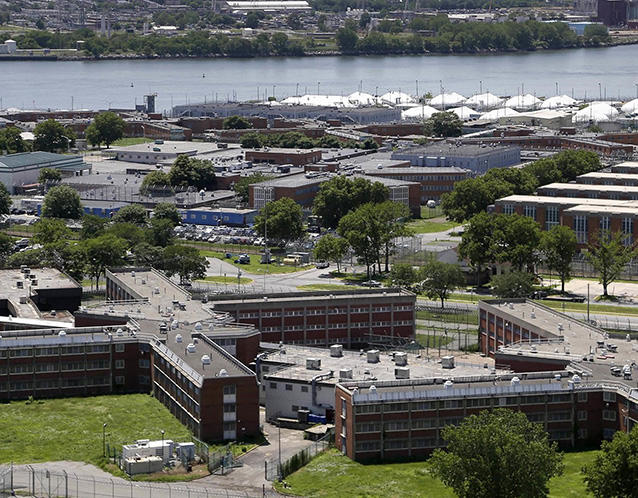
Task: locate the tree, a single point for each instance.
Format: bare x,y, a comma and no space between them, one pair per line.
392,215
614,472
340,195
477,244
155,180
252,20
184,261
512,284
103,252
236,123
49,174
52,136
497,455
364,232
106,128
131,233
133,213
444,124
188,172
62,202
516,240
559,245
283,218
609,254
5,200
92,226
242,187
331,248
346,39
149,255
50,231
403,275
11,141
251,141
160,233
167,211
440,279
6,247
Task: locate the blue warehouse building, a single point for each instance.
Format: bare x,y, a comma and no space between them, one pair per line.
219,216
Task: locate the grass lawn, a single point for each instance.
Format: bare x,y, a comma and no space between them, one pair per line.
125,142
330,474
431,225
227,280
448,317
327,287
433,341
254,264
71,428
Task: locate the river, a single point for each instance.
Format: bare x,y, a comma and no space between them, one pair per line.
591,73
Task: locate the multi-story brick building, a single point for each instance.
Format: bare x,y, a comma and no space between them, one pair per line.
350,318
559,375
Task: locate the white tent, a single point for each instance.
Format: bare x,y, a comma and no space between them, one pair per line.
465,113
321,100
557,101
630,107
447,100
484,101
361,98
418,113
503,112
397,98
597,113
522,101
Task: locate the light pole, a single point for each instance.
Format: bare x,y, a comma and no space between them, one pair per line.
104,439
162,431
318,85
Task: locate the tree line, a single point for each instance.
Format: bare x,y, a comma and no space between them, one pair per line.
297,140
421,36
474,195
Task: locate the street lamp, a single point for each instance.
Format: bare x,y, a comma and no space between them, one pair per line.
104,439
162,431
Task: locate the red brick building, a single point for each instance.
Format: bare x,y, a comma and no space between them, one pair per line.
296,157
321,318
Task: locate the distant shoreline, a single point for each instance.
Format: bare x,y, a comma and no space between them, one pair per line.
332,53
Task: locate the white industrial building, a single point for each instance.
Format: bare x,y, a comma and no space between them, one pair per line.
24,168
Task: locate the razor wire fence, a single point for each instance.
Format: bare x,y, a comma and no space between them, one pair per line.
40,482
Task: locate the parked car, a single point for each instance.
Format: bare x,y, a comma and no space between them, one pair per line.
322,264
243,259
371,283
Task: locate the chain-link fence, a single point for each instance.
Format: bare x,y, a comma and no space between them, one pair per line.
274,469
26,480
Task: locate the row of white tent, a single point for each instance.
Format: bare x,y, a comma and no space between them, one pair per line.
484,101
598,112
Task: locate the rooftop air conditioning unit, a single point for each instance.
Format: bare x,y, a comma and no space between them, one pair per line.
447,362
20,284
345,373
373,356
205,360
336,350
400,359
313,363
191,348
402,373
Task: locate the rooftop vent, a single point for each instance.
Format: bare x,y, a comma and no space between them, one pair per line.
515,382
533,315
576,379
373,356
558,377
372,389
191,348
223,373
313,363
120,333
205,360
448,384
400,359
345,373
62,333
402,373
336,350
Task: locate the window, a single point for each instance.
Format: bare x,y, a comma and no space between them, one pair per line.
144,363
119,348
304,389
609,396
582,433
628,231
368,409
368,427
427,423
368,446
609,415
398,444
119,380
273,385
582,397
580,227
230,389
530,211
582,415
398,425
119,364
551,217
288,387
230,426
230,408
396,407
604,223
508,209
144,380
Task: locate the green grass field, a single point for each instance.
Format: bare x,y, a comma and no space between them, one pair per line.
254,266
330,474
71,428
431,225
125,142
227,280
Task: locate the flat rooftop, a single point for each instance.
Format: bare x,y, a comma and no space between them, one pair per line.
595,209
48,278
171,147
586,188
334,296
290,361
563,201
604,175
